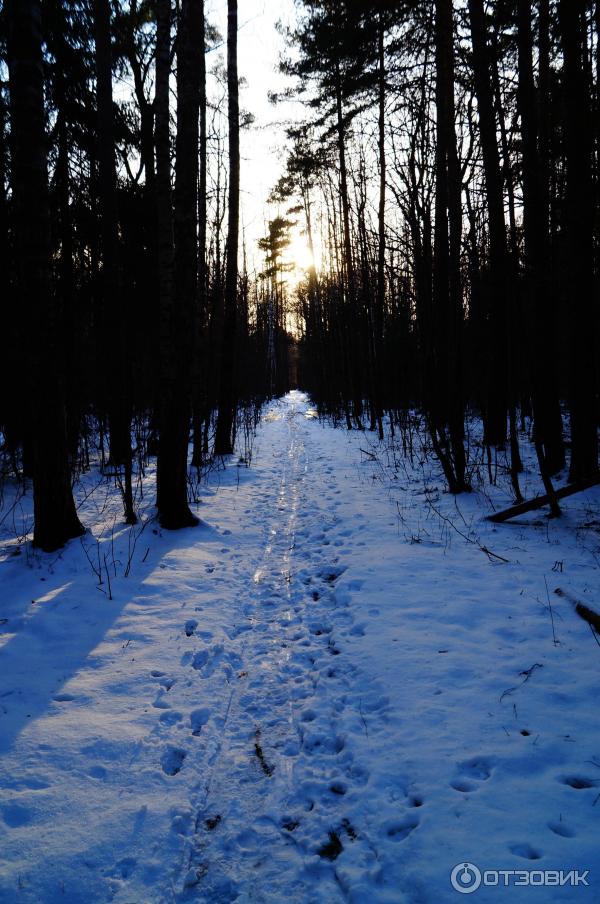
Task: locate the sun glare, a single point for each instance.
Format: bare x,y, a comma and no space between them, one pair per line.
300,253
300,256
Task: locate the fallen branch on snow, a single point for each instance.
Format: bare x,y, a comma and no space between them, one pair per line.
540,501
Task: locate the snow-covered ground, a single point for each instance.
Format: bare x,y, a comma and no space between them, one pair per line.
327,692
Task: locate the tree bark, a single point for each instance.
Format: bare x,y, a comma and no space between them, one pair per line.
580,240
177,256
496,403
201,375
225,429
353,368
381,248
113,303
55,517
546,408
448,413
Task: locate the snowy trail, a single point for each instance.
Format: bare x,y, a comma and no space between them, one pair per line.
273,755
321,695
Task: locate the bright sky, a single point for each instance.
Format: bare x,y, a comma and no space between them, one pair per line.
263,145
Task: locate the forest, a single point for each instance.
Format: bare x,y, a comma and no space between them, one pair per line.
299,477
446,173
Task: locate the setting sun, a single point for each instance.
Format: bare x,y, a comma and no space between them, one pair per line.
299,255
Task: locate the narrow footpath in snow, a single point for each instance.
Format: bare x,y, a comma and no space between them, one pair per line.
322,694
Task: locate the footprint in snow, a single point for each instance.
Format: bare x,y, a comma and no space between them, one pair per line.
163,680
190,627
170,717
477,769
579,782
198,718
462,785
309,715
15,815
559,828
125,867
399,829
338,788
525,851
206,661
322,744
172,760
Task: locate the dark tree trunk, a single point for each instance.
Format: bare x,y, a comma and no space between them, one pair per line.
448,414
580,238
119,410
353,368
380,300
224,436
201,374
55,516
178,268
546,408
496,403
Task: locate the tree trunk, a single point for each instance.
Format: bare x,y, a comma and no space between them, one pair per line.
380,301
448,406
496,403
224,436
201,403
119,399
354,371
178,294
55,516
580,239
546,409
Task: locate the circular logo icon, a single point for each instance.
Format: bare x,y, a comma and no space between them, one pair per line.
465,878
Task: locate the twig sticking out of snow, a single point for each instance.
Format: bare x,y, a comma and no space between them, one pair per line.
488,552
551,612
527,673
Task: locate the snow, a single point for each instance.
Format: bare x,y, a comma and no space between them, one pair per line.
324,693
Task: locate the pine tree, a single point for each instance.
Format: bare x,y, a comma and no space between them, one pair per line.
55,517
